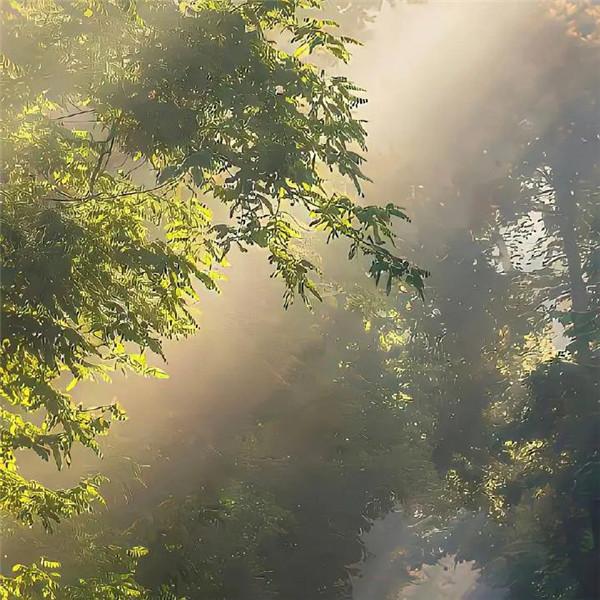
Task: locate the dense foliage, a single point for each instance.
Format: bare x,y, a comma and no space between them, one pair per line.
121,124
98,97
506,356
42,580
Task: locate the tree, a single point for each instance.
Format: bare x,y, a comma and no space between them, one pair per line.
121,124
536,475
94,262
513,418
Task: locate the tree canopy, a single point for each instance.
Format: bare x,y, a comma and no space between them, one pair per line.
126,128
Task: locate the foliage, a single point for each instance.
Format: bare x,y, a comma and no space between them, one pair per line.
290,495
99,99
549,464
42,580
518,437
278,511
502,360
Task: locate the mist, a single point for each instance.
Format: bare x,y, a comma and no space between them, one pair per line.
455,91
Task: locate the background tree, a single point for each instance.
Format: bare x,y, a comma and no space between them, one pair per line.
530,461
